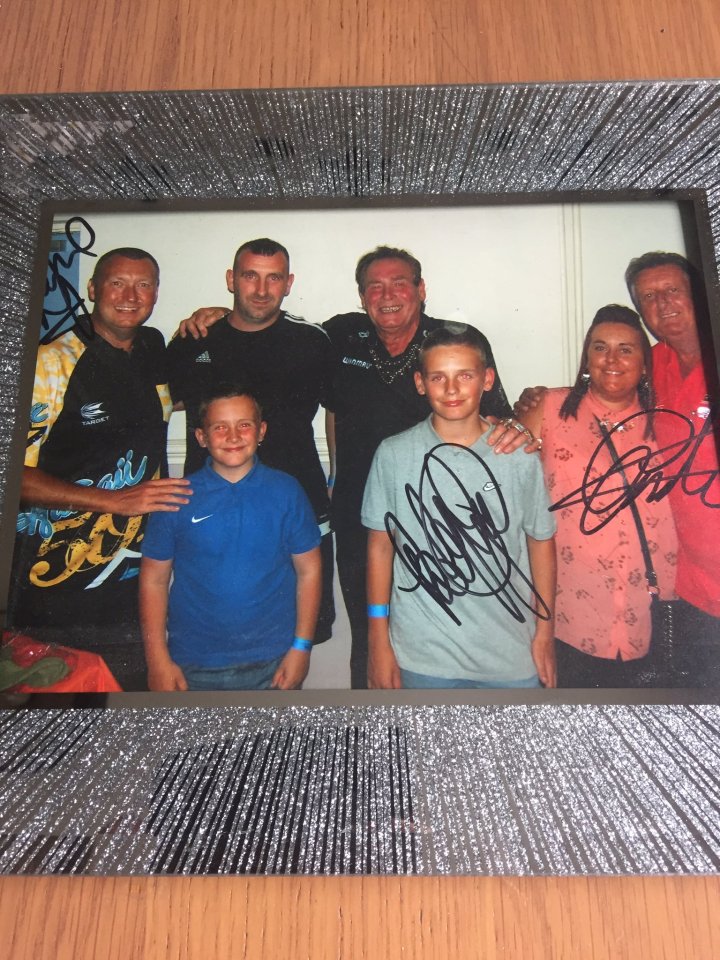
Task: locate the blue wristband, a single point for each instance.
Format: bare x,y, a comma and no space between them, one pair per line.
331,481
300,644
378,610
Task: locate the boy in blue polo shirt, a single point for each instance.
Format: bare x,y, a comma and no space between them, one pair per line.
245,563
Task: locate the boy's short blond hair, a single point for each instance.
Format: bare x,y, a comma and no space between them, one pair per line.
226,391
453,335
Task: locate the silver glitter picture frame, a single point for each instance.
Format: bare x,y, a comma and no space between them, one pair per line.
335,782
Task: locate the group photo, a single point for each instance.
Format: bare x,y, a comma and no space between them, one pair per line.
470,446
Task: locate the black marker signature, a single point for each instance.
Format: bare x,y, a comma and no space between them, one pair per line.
73,304
463,550
648,472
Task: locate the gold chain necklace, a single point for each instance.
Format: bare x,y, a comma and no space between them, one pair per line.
394,367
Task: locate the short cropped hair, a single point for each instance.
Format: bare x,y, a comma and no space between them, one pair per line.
658,258
454,335
262,247
130,253
226,391
386,253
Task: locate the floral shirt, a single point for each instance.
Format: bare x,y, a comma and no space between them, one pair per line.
603,604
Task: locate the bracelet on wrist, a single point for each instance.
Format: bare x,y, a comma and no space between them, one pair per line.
378,610
300,644
331,480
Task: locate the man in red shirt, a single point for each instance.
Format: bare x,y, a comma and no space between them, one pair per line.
669,296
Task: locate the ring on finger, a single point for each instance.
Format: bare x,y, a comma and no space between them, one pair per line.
518,426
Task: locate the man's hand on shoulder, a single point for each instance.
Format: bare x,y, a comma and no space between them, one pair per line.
509,435
199,322
152,496
529,399
41,489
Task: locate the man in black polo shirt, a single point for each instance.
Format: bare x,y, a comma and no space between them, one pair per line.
283,361
375,397
95,450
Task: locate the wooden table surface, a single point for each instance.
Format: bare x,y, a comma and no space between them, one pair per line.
86,45
187,44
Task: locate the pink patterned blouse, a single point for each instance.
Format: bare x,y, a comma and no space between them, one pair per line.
603,605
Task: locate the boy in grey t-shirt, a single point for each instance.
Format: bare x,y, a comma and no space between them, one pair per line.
463,540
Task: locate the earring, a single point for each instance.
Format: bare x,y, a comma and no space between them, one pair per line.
644,390
585,377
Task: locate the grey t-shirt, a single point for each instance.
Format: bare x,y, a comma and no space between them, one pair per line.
462,602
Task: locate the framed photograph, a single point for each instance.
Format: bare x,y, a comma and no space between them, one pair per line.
524,206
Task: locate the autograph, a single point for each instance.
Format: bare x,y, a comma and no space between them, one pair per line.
459,548
54,322
650,473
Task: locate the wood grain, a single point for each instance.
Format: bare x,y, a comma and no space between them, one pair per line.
72,45
84,45
379,918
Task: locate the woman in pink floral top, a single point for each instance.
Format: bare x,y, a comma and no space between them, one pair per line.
602,619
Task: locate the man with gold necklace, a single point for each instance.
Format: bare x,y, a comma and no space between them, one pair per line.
375,397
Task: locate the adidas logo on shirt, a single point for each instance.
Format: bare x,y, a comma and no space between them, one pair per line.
203,358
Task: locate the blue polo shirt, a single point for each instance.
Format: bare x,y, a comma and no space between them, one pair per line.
232,598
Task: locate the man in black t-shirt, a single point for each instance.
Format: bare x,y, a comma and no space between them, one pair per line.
283,361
